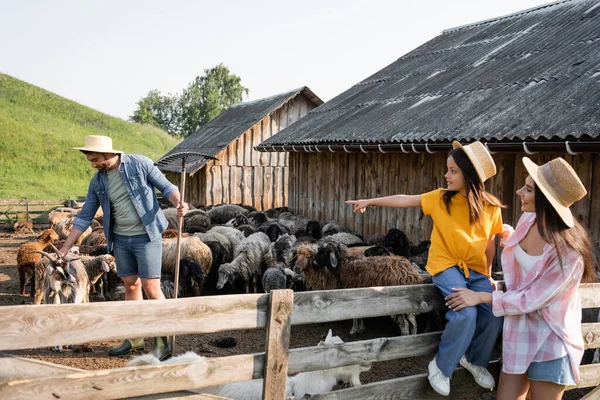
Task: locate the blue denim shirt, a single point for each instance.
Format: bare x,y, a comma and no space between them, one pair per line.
141,177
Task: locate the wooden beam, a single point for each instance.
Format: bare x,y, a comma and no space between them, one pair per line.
410,387
13,367
34,326
590,375
591,335
590,295
337,305
278,343
181,395
593,395
133,381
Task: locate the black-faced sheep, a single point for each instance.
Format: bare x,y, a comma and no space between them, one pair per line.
275,212
251,258
313,229
191,280
398,242
27,258
191,247
297,386
282,251
274,279
330,228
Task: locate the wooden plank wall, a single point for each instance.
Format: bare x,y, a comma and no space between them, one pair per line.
321,182
242,175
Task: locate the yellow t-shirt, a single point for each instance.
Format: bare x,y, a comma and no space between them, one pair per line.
454,241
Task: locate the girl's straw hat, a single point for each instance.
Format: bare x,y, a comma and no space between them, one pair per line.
480,158
98,144
559,182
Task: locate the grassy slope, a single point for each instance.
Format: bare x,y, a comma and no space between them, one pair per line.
37,132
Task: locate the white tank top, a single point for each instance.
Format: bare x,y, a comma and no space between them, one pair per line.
526,261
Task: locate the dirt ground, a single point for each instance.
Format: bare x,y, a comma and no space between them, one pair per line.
248,341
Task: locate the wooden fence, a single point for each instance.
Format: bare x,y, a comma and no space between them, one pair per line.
29,326
21,210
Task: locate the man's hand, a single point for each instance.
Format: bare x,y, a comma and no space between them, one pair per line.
182,209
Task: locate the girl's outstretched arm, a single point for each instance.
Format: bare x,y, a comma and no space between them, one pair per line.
398,201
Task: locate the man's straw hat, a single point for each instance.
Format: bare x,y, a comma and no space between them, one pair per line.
559,182
98,144
480,158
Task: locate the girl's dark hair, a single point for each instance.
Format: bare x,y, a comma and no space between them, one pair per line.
553,229
476,194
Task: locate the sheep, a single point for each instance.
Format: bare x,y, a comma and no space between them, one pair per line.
330,228
238,220
215,236
297,386
398,242
330,267
64,226
191,247
191,279
275,212
172,218
97,250
95,237
223,213
196,221
273,278
97,267
313,229
169,233
57,215
247,230
27,259
251,257
343,237
274,230
281,251
234,236
291,221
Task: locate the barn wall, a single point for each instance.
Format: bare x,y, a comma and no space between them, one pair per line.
320,182
242,175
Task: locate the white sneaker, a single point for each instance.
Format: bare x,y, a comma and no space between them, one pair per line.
482,376
438,381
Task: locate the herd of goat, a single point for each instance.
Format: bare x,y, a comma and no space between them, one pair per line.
227,249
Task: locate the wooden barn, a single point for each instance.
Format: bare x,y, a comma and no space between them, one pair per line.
524,84
242,175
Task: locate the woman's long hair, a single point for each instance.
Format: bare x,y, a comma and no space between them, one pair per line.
476,194
553,229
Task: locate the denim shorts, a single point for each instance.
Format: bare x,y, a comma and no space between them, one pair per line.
558,371
138,255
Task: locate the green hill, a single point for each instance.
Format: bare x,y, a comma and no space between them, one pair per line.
37,132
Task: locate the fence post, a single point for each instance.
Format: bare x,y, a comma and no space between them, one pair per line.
278,343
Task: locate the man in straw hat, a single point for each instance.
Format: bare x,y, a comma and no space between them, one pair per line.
124,187
544,261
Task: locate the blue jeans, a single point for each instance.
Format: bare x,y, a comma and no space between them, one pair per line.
138,255
472,331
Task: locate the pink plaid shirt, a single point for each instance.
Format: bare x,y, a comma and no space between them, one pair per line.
543,312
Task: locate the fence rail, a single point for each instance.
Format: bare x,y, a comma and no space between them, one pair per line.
24,327
17,210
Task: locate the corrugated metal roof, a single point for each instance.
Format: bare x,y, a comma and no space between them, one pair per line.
217,134
533,74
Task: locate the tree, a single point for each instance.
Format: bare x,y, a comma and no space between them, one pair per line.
207,96
163,111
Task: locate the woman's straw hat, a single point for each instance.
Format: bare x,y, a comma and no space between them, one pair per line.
480,158
559,182
98,144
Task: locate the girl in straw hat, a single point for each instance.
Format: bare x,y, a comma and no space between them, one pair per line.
544,261
465,221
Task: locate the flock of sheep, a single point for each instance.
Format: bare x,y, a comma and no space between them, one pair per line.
227,249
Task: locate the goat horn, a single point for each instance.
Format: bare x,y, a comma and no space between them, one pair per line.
42,253
56,250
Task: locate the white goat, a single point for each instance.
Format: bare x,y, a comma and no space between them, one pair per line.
313,382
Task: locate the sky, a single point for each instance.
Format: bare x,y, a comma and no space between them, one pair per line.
107,54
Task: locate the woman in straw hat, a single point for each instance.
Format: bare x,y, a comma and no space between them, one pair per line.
544,261
465,221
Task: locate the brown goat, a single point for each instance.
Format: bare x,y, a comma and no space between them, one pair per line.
26,260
